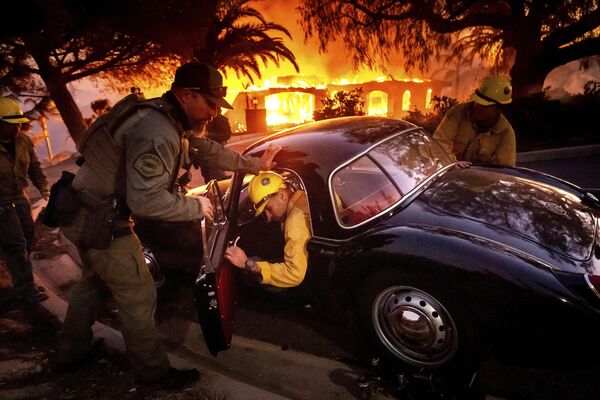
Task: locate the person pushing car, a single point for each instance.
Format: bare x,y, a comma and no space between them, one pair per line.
477,131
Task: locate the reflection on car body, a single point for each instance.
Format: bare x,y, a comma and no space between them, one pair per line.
441,265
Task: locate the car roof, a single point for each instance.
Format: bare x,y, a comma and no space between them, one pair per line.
330,142
315,149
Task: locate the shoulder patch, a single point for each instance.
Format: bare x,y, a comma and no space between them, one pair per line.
149,165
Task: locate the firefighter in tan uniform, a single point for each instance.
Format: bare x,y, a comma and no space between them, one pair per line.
270,193
17,162
477,131
152,143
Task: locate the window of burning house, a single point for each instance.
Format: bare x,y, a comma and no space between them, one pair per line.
406,100
377,103
428,99
289,108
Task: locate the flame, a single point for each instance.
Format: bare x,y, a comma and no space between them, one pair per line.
377,103
321,75
284,105
289,107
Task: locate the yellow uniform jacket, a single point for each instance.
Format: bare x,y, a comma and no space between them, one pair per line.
14,171
458,135
296,230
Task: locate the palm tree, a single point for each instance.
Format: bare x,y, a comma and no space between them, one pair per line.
239,38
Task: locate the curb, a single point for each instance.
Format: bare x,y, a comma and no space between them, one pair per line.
557,154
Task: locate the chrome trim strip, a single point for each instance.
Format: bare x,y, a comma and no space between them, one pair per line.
504,246
402,199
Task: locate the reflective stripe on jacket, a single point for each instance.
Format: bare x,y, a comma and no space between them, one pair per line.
296,230
458,136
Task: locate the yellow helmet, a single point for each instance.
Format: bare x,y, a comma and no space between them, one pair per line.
262,187
494,90
11,112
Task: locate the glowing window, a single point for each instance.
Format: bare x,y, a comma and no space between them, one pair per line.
289,107
406,100
377,103
428,99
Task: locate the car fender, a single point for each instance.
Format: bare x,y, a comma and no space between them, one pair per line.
490,280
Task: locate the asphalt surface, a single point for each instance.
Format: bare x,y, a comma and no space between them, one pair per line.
582,171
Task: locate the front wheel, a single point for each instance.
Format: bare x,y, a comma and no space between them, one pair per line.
416,325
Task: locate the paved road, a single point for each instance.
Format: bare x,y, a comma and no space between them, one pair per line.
583,171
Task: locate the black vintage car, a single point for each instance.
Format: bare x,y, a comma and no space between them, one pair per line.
441,265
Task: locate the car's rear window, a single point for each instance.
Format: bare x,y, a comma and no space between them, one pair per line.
377,180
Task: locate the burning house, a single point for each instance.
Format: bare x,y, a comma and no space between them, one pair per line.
292,100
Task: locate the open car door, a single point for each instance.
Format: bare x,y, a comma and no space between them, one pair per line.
214,286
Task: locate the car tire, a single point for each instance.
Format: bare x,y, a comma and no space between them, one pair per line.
417,327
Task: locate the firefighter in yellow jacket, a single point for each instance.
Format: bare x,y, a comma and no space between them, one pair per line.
17,162
280,202
477,131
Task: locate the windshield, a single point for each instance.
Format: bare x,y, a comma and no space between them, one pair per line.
376,181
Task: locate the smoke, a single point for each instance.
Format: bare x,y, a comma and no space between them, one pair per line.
334,64
569,79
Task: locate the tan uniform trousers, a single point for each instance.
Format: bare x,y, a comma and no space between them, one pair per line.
123,270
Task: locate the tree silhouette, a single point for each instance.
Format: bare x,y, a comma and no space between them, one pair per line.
239,37
49,43
534,36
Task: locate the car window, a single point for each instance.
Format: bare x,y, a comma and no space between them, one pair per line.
410,158
379,179
362,190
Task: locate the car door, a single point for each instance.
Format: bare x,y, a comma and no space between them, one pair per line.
214,286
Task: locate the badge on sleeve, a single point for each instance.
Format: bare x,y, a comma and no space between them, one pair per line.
149,165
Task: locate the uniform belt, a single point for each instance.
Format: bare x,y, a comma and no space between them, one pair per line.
121,232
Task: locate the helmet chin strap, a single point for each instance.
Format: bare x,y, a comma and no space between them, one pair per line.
483,96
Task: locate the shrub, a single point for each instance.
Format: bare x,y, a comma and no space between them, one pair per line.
341,104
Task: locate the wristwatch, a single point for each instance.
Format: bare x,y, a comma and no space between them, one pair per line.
250,265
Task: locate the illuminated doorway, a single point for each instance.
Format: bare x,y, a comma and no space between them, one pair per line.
428,99
377,103
406,100
289,108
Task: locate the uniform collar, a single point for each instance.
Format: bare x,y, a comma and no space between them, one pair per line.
297,195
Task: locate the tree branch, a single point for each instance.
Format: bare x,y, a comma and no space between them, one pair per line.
575,51
569,33
437,22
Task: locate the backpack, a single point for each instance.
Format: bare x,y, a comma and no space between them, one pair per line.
97,145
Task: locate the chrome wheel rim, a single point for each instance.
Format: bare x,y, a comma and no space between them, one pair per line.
414,326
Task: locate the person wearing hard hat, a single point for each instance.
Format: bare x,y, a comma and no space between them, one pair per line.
477,131
278,201
17,162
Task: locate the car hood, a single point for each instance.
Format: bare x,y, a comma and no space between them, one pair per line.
540,212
